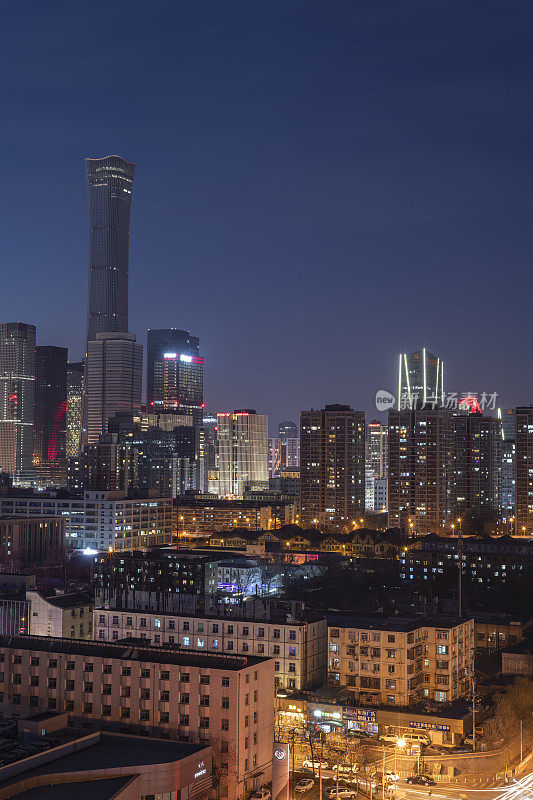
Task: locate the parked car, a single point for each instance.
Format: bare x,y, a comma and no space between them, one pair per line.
315,765
359,734
346,769
342,792
388,738
416,738
421,780
260,794
304,785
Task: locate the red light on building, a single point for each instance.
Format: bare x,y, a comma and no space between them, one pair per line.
472,403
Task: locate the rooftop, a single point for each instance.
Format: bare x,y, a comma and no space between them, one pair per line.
119,652
399,624
105,789
69,599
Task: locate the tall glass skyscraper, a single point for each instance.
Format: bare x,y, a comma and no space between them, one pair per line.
17,396
420,380
109,184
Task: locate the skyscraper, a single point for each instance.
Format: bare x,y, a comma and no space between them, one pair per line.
420,380
524,471
114,383
49,446
507,475
376,463
74,407
242,450
332,467
420,468
287,430
476,463
17,396
160,343
109,184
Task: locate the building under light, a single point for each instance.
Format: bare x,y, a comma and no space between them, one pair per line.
242,451
420,380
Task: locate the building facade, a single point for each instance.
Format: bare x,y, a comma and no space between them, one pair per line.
114,379
74,407
99,520
400,662
36,540
242,438
298,649
420,380
50,431
222,701
332,468
175,372
17,396
420,467
109,186
524,471
476,467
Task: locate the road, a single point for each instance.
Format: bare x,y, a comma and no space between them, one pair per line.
520,789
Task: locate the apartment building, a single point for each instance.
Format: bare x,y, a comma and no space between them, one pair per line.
297,648
222,701
394,661
69,614
99,520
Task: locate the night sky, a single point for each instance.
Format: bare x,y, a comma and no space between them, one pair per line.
318,185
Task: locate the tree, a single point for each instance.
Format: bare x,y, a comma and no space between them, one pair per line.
511,708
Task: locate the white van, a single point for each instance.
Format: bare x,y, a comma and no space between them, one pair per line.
416,738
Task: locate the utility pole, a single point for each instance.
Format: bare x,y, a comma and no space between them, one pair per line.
521,741
460,548
383,776
319,780
474,711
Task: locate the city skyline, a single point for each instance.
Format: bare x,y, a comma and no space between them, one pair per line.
367,164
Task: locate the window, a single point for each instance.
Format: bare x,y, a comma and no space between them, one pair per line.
164,717
224,724
107,669
52,683
186,640
225,681
125,713
260,648
145,694
245,647
145,673
214,628
204,701
184,677
69,686
171,624
184,698
204,680
276,666
184,719
245,630
106,711
230,630
276,633
442,649
292,635
164,696
88,687
276,649
52,663
260,633
204,722
292,666
88,667
101,619
225,702
106,689
165,676
88,708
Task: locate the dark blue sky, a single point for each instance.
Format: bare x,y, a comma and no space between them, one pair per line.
318,185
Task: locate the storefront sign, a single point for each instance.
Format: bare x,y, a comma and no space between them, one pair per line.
360,714
429,726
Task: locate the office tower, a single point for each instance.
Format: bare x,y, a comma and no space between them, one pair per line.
274,456
208,450
109,185
49,438
332,467
420,465
161,343
74,407
524,471
110,466
420,380
242,450
17,396
507,475
377,449
476,473
114,379
292,453
287,430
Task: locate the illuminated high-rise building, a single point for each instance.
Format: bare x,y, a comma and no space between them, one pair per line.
109,185
332,467
49,446
524,471
175,372
507,475
476,464
420,466
287,430
420,380
114,380
17,396
242,438
74,407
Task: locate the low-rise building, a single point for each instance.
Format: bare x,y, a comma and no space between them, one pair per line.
98,765
34,540
518,660
497,631
396,661
219,700
98,520
65,614
207,514
297,647
160,570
